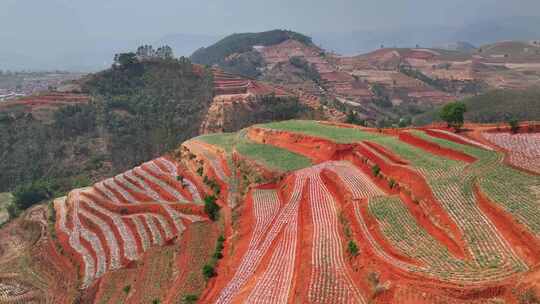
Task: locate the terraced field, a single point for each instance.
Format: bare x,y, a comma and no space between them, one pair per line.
390,219
114,222
335,214
524,149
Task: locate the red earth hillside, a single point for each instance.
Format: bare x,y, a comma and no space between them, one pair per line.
310,212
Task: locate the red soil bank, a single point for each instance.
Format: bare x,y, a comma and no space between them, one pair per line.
447,137
435,148
526,244
445,230
340,192
317,149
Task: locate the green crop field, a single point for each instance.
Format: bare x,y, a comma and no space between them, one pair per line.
452,184
226,141
268,155
508,187
313,128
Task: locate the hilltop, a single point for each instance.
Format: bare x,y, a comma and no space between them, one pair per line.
311,211
227,51
132,112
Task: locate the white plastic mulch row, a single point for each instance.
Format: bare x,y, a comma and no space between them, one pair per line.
330,280
463,138
261,244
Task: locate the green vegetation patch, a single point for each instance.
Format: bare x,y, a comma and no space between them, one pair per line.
495,106
512,189
225,141
314,128
273,157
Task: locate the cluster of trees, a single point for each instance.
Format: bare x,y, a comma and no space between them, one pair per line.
27,195
311,71
148,108
137,112
144,52
148,52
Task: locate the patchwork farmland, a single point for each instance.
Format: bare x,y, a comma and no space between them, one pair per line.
310,212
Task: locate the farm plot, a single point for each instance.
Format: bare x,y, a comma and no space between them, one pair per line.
401,229
214,160
313,128
117,220
271,156
459,138
270,221
512,189
452,183
523,149
329,281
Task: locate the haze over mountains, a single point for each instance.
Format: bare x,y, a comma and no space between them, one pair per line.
476,34
58,34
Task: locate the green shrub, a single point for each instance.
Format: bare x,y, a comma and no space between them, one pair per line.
514,125
211,208
391,183
353,248
190,298
126,289
376,170
27,195
208,271
453,114
218,253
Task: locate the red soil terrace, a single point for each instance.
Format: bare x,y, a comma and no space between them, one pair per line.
288,240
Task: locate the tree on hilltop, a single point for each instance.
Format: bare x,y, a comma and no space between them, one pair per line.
125,59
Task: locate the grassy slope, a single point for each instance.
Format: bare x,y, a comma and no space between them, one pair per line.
270,156
313,128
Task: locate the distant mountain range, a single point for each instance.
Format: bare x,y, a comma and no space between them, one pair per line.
94,54
475,34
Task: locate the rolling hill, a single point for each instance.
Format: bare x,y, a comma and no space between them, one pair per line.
498,106
311,212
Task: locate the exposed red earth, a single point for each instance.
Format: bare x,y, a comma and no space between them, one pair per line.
236,98
430,225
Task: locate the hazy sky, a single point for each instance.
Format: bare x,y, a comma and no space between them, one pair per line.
45,19
83,33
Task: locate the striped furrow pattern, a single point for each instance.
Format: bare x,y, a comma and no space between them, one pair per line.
329,281
270,222
463,138
117,220
524,149
358,183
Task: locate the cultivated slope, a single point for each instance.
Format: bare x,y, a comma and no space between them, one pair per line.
311,212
